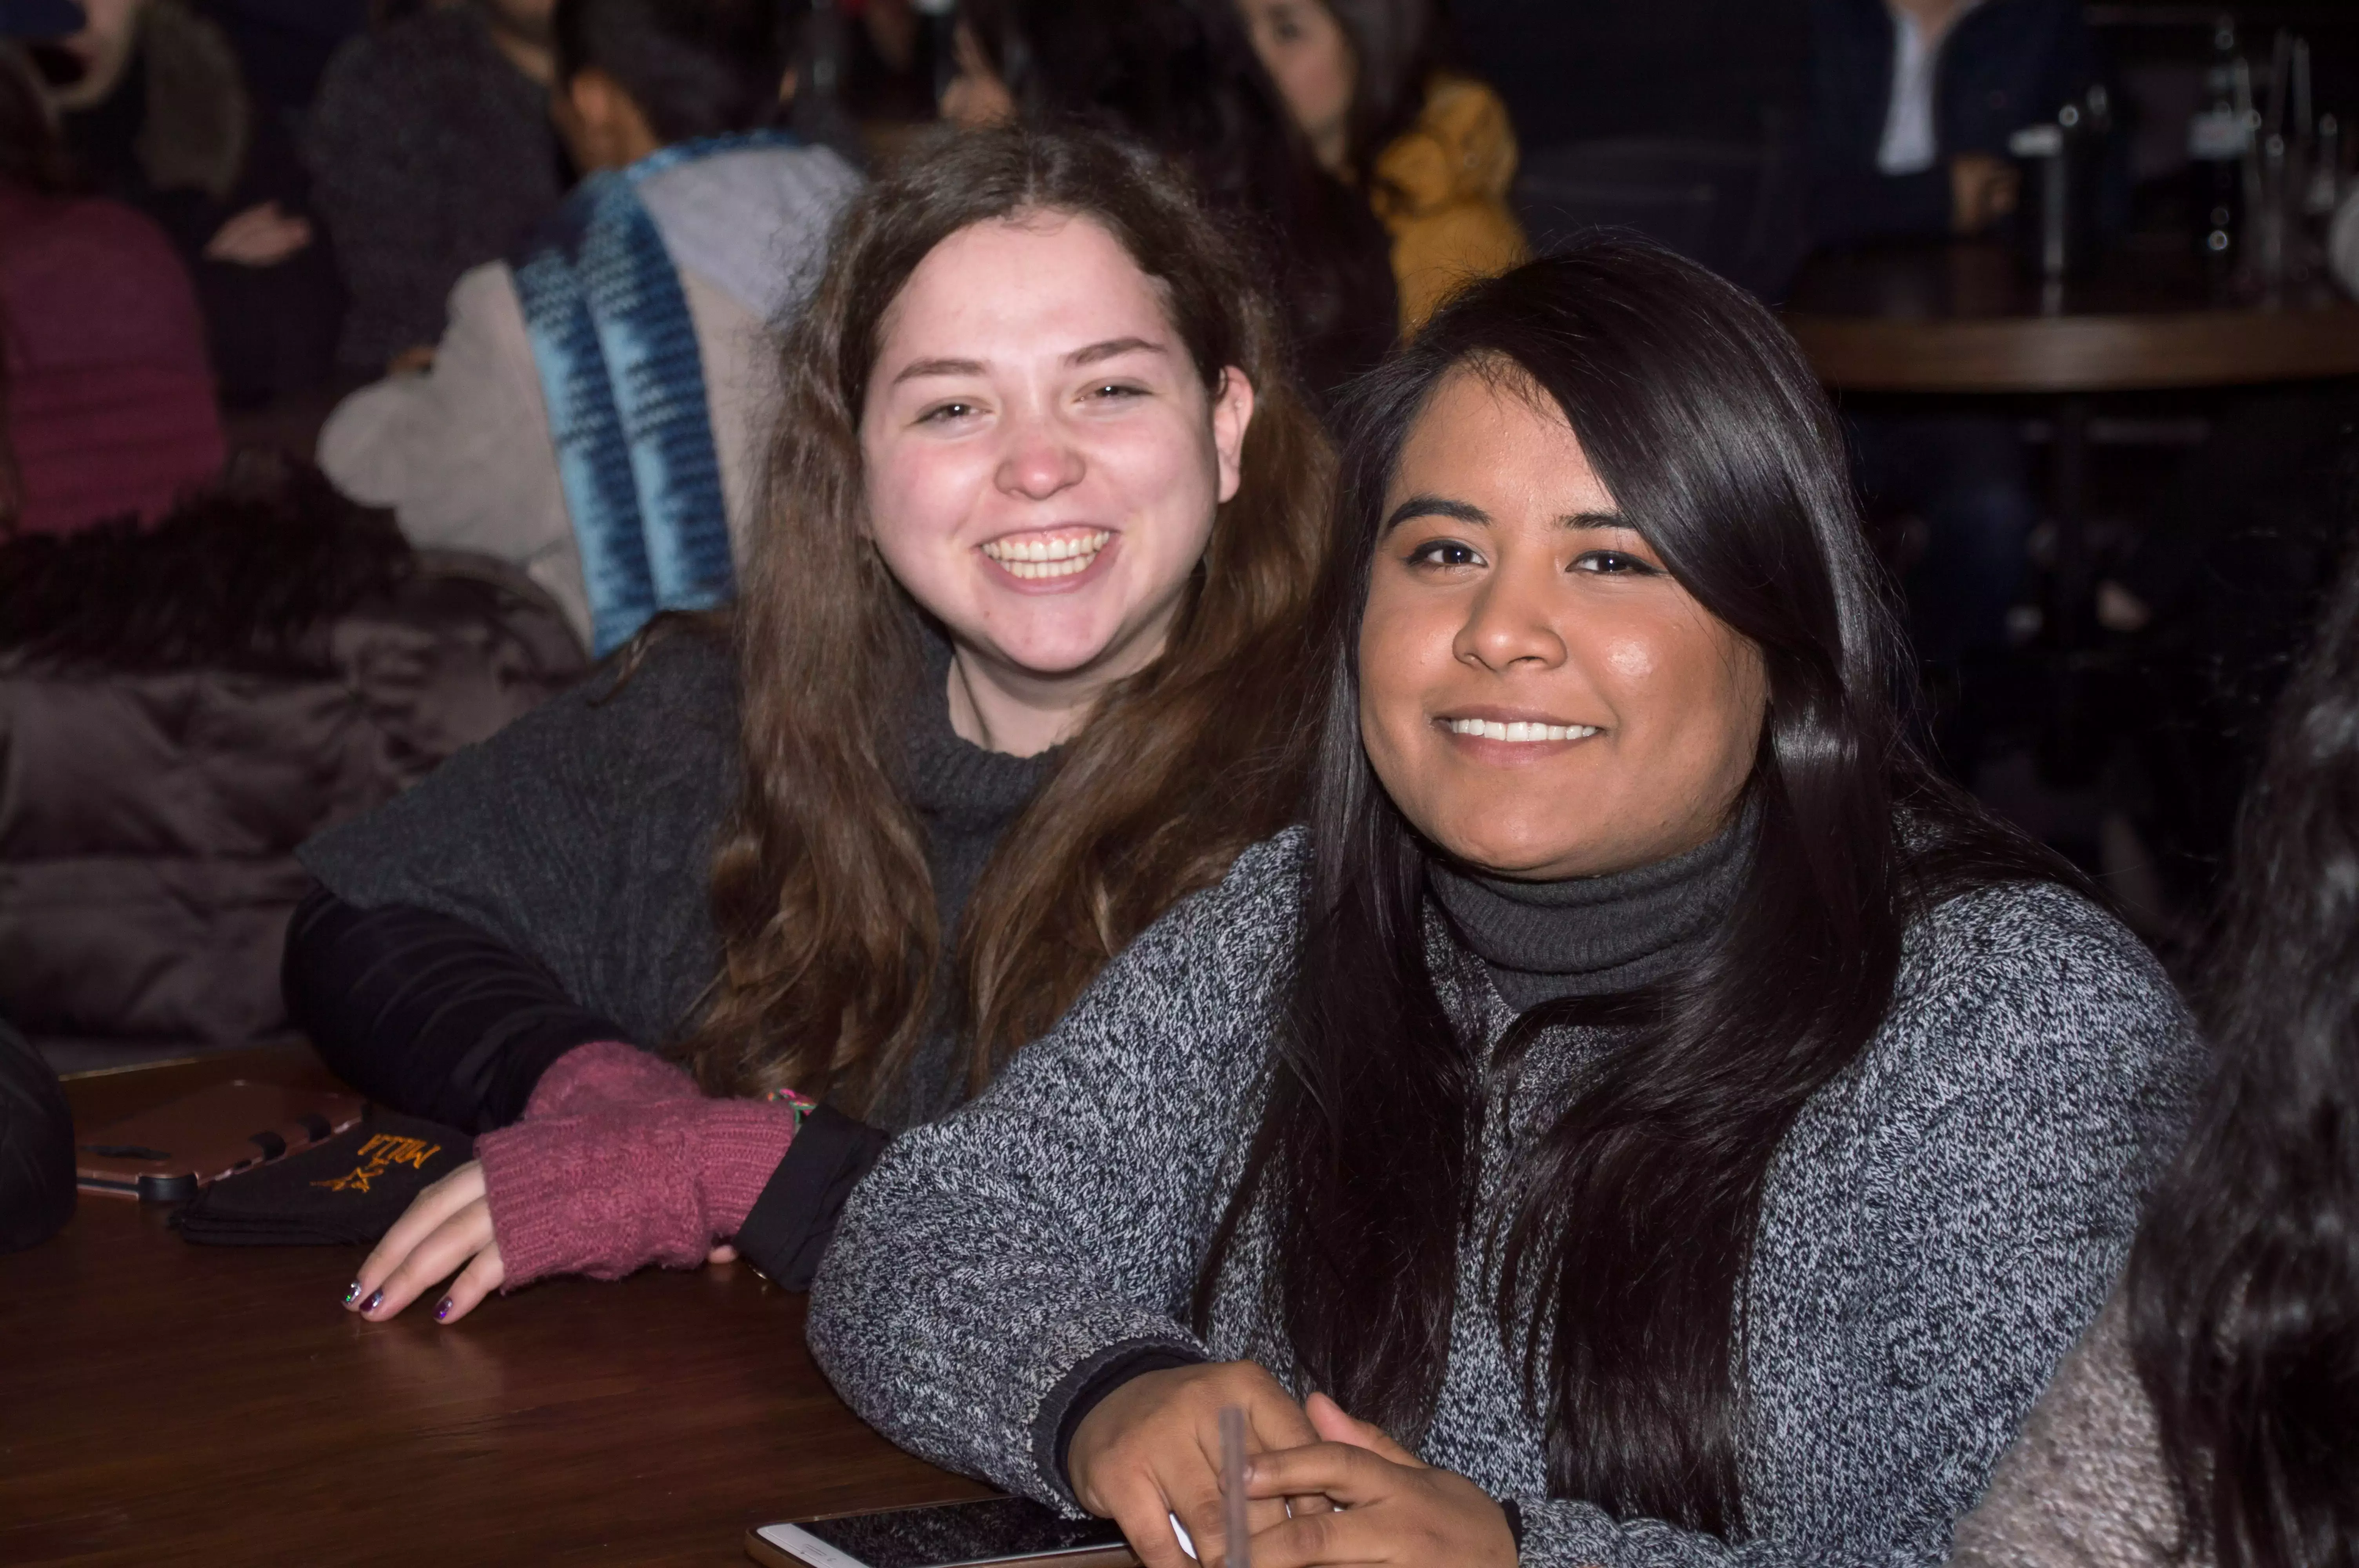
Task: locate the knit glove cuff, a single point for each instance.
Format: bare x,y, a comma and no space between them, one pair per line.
606,1073
612,1191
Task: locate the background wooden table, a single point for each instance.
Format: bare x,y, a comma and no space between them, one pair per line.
161,1402
1965,318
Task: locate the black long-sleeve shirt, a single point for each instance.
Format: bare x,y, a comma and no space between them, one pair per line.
548,889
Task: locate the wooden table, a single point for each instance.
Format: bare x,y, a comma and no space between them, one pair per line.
1965,318
161,1402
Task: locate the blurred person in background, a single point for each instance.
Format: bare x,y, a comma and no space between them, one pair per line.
433,152
1181,76
155,111
2211,1416
1913,101
596,410
1432,148
106,396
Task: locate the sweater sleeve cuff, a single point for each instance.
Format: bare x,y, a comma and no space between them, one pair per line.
1086,1388
615,1191
606,1073
786,1231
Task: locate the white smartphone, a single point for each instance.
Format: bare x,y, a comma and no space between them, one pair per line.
998,1530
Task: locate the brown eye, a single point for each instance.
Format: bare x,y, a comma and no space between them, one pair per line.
1444,553
1610,563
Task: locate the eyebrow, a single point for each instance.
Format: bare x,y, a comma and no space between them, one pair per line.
1464,512
917,369
1113,348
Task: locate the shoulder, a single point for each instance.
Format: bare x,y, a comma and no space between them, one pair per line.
1221,952
56,236
2028,992
1247,917
631,730
632,759
2019,942
1460,110
684,676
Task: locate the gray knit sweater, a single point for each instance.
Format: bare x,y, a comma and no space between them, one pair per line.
1942,1223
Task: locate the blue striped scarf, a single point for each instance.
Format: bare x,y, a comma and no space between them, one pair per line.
625,386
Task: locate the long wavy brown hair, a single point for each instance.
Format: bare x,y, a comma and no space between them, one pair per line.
820,884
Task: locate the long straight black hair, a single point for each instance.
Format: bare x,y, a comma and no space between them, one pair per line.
1622,1254
2244,1285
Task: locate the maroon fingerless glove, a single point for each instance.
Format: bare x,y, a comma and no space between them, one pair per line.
621,1161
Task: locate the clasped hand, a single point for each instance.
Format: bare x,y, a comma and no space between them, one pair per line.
1325,1490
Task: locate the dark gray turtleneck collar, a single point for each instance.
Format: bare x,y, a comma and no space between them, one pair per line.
1597,935
954,784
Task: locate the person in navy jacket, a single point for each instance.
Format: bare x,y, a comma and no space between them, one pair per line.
1913,101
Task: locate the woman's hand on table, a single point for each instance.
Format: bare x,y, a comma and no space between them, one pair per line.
447,1229
1391,1506
1150,1450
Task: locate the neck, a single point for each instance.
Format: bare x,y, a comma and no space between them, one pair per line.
1333,149
529,55
1003,708
1597,935
1022,718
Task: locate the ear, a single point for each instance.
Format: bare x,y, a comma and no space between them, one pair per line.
787,84
1233,411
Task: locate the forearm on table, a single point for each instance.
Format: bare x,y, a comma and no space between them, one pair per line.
426,1014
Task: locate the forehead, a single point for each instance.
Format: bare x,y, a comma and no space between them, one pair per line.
1020,288
1493,437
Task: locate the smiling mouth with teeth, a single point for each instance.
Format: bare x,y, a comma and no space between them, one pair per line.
1520,732
1037,555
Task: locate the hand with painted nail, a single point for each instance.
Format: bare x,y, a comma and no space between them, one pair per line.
446,1230
642,1218
1391,1507
1150,1453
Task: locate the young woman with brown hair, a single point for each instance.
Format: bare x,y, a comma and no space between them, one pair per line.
1019,663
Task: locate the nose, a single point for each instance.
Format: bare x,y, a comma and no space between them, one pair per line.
1508,626
1038,461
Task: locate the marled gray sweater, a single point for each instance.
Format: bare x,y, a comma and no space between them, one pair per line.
1943,1220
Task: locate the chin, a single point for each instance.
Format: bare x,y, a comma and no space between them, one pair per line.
1501,849
1061,651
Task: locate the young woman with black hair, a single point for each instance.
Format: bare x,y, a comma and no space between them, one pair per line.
1431,147
2211,1416
1019,663
1180,76
1642,1118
